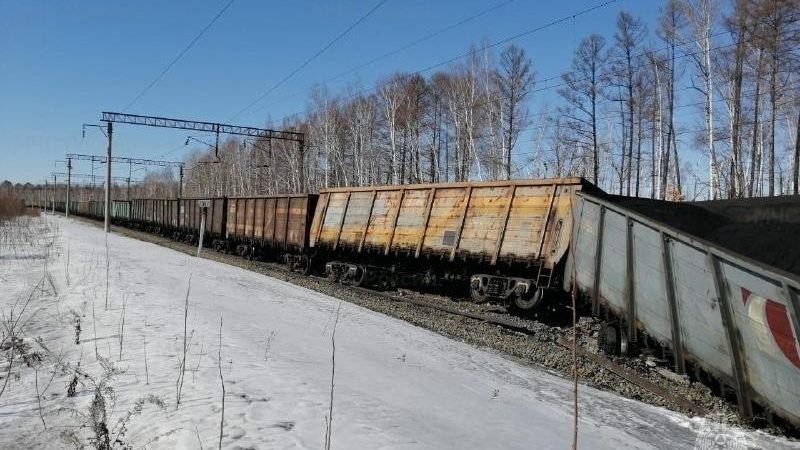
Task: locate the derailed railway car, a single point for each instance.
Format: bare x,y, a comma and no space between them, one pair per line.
270,228
501,240
663,275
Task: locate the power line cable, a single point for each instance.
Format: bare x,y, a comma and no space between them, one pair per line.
495,44
308,61
492,96
177,58
396,51
683,54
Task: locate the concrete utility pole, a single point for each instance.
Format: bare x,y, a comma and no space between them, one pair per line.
55,186
69,176
108,180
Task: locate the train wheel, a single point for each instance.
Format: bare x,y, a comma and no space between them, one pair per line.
360,278
524,303
306,266
623,343
477,295
476,291
332,274
609,339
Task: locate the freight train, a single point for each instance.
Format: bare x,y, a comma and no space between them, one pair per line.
713,285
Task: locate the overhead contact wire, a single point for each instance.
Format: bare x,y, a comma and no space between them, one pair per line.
177,58
308,61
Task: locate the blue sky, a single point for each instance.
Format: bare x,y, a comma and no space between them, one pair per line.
64,62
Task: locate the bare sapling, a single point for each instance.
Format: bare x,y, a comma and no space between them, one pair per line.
94,330
268,344
10,364
182,368
44,268
38,396
66,267
144,339
222,382
122,325
329,427
199,359
199,442
12,325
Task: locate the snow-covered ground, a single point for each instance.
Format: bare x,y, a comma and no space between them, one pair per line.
396,385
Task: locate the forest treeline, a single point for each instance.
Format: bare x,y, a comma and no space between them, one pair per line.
705,103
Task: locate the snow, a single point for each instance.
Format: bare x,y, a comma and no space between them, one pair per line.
396,385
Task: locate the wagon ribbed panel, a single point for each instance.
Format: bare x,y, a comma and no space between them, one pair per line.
356,218
411,219
218,215
269,218
333,218
241,213
525,221
484,219
448,204
258,220
173,218
295,231
249,217
652,305
379,230
281,216
231,225
701,325
317,219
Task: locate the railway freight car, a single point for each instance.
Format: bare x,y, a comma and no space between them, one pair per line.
271,228
666,275
189,218
502,240
82,208
120,211
159,216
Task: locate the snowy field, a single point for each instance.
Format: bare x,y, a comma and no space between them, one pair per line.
396,386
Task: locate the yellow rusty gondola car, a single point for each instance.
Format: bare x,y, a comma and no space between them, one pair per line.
433,234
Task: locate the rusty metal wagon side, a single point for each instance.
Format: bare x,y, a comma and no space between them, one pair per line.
271,227
450,232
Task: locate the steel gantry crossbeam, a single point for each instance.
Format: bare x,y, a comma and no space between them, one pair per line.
69,175
130,161
101,178
120,159
163,122
210,127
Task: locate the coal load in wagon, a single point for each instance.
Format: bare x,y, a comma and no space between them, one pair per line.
763,229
